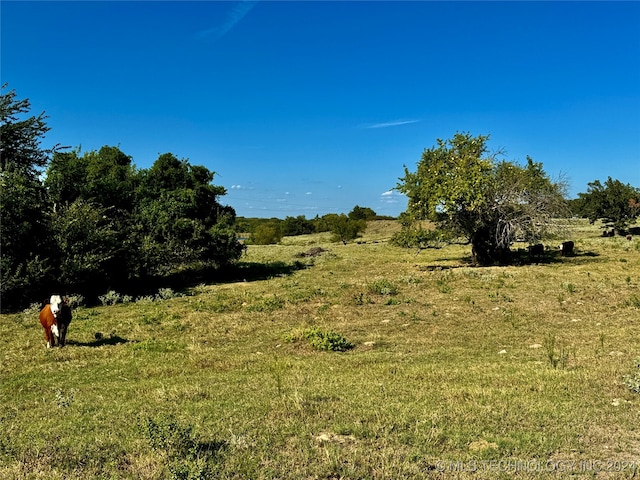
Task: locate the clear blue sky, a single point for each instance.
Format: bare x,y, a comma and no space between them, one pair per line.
307,108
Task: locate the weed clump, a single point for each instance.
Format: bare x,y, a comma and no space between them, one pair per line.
634,301
633,381
322,339
184,456
557,358
382,286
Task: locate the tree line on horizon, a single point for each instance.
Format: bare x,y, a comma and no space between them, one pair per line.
343,227
88,222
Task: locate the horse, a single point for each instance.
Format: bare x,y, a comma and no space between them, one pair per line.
55,318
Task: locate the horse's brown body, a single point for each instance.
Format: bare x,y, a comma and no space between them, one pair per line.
55,324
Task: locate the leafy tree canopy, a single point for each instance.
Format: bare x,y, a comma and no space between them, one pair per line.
344,228
616,204
20,148
267,233
362,213
299,225
24,206
468,191
93,221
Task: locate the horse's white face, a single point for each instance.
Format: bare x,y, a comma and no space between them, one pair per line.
55,302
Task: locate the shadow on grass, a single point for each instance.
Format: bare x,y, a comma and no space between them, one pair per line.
189,278
517,258
212,448
100,341
252,271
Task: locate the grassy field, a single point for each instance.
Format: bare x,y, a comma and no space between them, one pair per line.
454,371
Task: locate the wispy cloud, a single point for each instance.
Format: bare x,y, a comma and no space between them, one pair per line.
394,123
233,16
392,196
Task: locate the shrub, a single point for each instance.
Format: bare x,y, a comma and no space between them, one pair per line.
383,286
75,301
169,438
322,339
166,294
266,234
411,237
110,298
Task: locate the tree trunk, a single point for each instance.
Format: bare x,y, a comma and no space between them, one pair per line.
484,250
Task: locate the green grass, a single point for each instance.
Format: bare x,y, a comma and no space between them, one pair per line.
449,364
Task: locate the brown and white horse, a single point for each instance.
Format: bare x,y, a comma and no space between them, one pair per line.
55,318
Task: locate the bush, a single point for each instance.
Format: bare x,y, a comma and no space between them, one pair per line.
322,339
266,234
382,286
110,298
184,456
420,238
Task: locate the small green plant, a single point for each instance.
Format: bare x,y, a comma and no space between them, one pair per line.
75,301
633,381
569,287
166,294
110,298
184,456
382,286
634,301
443,286
64,399
362,299
557,358
172,440
561,299
322,339
268,304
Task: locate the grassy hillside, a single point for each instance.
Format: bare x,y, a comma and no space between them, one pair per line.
455,371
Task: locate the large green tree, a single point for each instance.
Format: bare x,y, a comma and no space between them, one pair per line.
180,218
93,197
93,221
343,228
362,213
297,226
468,191
91,246
117,223
616,204
25,238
